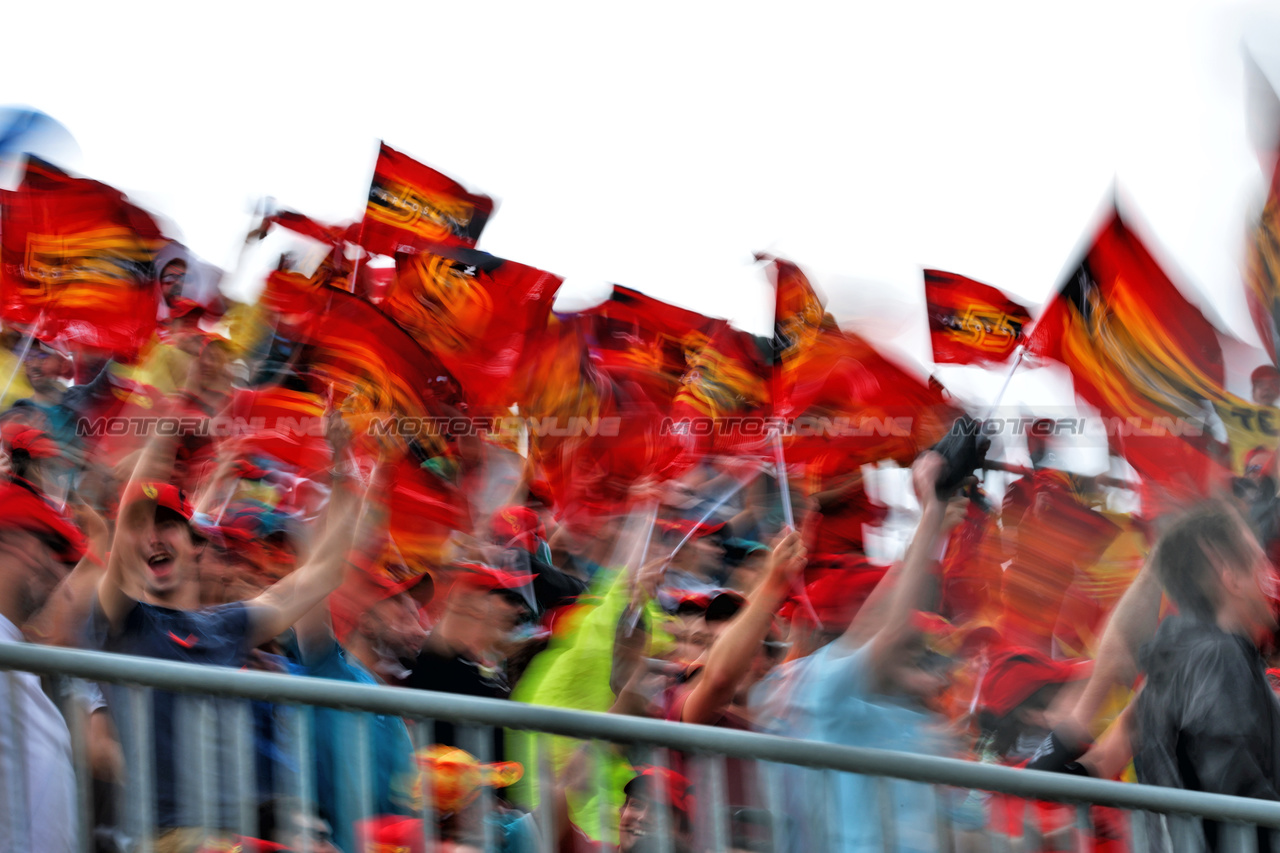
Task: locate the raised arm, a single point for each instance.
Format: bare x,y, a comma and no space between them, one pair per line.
354,517
731,655
913,580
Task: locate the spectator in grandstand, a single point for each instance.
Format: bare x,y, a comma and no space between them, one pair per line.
374,616
148,605
1206,718
1019,696
1266,385
483,606
873,687
38,545
699,564
638,820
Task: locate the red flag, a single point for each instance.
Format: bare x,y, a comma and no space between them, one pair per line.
359,352
637,338
1137,349
971,322
285,424
838,390
76,256
412,205
1262,274
724,394
473,310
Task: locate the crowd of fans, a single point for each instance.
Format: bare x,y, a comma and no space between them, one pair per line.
1046,632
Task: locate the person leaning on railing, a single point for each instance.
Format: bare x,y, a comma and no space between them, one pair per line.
38,544
147,604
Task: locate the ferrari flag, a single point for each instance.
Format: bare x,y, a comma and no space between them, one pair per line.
1262,273
1142,354
78,260
971,322
413,205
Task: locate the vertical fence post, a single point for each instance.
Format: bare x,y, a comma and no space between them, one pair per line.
661,761
362,724
142,778
888,819
548,832
77,716
424,737
1238,837
769,773
18,793
719,802
243,768
304,728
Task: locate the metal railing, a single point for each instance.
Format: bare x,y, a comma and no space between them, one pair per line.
1238,817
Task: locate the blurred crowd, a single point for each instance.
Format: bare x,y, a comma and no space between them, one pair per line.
1006,634
227,494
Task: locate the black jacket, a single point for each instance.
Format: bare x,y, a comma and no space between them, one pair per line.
1206,719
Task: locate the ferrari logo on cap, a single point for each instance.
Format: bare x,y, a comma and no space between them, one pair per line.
149,489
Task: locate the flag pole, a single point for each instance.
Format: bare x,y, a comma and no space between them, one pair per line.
719,503
780,462
1013,368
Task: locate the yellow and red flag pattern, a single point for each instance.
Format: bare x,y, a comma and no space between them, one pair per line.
412,205
1136,348
475,312
971,322
831,377
78,259
372,366
1262,273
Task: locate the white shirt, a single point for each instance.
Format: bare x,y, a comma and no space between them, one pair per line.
38,813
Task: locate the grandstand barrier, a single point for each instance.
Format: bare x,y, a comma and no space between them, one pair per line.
1171,818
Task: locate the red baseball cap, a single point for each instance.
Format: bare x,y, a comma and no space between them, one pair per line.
683,526
36,442
23,508
679,791
165,495
1016,674
518,526
1264,371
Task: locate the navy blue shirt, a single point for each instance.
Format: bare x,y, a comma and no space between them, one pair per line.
215,636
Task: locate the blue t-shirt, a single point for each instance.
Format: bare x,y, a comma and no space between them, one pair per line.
215,636
841,708
337,778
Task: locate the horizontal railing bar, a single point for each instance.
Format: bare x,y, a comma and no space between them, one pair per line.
272,687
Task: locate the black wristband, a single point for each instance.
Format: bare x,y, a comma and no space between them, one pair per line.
1055,753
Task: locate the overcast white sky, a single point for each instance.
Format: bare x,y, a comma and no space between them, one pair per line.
659,145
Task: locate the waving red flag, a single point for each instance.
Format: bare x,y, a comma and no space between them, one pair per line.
1262,274
838,391
412,205
724,394
359,352
475,311
971,322
637,338
78,258
1142,354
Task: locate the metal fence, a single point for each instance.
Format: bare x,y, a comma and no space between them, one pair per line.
1158,818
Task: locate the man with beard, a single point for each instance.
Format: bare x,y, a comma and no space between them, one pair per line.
38,545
